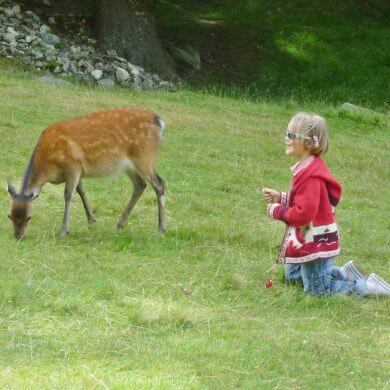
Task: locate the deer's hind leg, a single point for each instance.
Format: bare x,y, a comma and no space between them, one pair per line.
158,185
87,207
145,168
139,185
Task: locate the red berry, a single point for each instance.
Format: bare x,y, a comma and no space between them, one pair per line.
268,283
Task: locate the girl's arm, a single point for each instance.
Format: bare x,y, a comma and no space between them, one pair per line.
305,207
283,198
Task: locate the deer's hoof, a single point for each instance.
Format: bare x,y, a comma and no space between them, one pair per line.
120,225
91,221
64,232
162,230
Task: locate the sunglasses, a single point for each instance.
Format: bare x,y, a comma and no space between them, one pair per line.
291,135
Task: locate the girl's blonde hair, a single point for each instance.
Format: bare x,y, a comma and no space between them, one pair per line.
313,126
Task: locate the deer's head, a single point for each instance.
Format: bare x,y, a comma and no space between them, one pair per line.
21,209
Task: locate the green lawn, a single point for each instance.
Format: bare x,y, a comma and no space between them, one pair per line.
107,308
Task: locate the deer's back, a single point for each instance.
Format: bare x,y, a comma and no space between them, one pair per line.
101,143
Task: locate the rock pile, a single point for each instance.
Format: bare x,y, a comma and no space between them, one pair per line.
24,34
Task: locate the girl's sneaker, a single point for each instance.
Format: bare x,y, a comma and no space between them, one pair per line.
377,286
352,272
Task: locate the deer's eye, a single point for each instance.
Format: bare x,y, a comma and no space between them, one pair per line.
28,218
10,217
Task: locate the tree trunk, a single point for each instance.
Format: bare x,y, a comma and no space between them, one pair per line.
128,26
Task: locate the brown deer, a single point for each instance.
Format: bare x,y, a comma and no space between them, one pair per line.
101,144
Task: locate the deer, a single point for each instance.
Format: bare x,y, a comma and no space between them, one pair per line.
100,144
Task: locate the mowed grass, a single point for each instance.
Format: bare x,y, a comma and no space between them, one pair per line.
107,308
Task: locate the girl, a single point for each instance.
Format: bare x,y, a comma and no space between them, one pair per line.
311,239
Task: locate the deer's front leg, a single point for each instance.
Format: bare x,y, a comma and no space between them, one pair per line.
70,187
159,187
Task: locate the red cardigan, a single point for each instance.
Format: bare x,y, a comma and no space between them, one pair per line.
308,211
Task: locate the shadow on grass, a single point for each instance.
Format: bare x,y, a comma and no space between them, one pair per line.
327,51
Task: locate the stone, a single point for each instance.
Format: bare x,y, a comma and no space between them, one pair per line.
74,49
44,29
10,38
147,84
165,84
85,65
106,83
136,85
112,53
37,54
133,69
54,80
8,12
24,34
29,38
34,16
99,66
16,9
48,46
73,67
187,56
352,107
65,62
109,69
96,74
50,57
121,74
11,30
51,39
85,79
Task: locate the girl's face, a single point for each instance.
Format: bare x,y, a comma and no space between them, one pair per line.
296,145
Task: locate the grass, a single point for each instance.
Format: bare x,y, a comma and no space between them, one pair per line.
325,51
107,308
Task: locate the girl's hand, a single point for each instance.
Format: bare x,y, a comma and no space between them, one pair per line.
271,196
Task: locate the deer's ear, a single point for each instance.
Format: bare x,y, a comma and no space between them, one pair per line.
33,194
11,189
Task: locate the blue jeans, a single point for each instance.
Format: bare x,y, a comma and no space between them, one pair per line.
321,277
